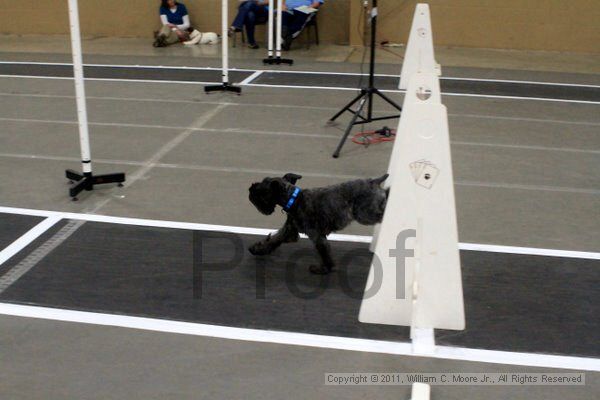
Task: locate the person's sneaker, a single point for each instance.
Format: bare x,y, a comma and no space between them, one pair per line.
253,46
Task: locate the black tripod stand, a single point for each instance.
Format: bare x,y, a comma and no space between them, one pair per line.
365,98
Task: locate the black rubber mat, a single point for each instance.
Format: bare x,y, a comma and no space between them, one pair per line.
514,303
14,226
455,86
529,304
100,72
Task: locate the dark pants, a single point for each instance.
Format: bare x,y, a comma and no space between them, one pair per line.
294,23
249,15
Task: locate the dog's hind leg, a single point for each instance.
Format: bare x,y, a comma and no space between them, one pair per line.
288,233
324,250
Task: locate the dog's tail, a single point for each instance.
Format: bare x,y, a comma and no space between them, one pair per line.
380,180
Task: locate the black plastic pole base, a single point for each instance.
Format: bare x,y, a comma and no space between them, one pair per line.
225,87
87,181
278,61
365,98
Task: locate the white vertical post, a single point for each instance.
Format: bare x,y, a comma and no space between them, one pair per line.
84,136
419,55
420,391
428,294
225,41
270,27
279,27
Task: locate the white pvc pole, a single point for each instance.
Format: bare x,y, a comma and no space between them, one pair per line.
225,41
279,27
84,135
270,27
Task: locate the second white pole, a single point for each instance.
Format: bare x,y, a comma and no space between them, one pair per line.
279,27
270,27
225,40
84,135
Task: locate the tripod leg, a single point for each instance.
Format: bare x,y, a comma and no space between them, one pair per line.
83,184
390,101
363,101
347,107
73,175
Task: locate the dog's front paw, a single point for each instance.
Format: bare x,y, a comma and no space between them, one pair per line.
259,249
319,269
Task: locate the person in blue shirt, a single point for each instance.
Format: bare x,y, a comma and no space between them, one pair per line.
250,14
175,23
295,20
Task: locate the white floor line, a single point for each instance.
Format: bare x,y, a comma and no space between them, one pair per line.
490,96
524,119
196,101
264,231
448,78
487,96
313,88
109,79
252,77
299,72
524,147
280,133
174,101
299,339
178,128
154,100
530,251
33,258
27,238
516,186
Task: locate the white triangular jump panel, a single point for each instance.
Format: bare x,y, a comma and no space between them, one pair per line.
419,56
428,291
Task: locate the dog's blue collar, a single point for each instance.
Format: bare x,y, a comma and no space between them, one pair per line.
292,200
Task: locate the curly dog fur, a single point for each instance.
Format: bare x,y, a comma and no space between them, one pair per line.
317,212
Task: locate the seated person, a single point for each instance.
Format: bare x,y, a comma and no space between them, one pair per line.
294,21
175,23
250,14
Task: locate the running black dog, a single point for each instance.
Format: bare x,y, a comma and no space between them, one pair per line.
317,212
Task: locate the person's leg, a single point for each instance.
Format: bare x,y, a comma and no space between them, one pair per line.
298,23
172,37
243,10
164,31
295,24
250,25
257,15
286,21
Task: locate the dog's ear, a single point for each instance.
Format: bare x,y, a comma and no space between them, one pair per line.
292,178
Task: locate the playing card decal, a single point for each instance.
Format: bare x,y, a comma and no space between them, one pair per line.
424,173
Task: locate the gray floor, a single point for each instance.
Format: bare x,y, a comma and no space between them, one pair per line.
519,164
57,360
526,175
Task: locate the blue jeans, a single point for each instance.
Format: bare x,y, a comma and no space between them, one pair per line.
249,15
294,23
